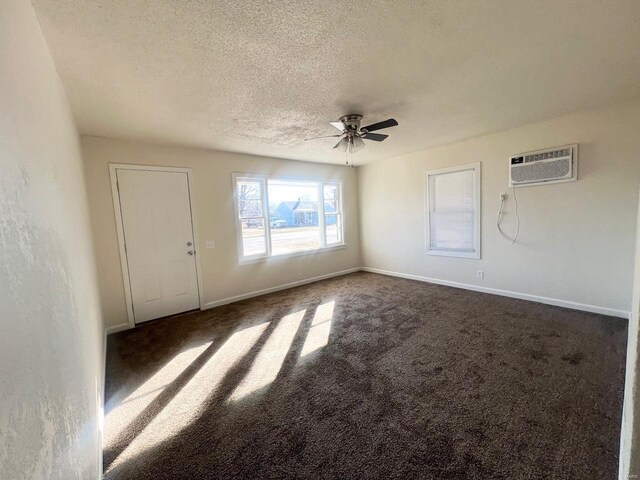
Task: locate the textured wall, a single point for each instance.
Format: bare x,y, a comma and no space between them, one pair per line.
576,239
50,328
222,276
630,435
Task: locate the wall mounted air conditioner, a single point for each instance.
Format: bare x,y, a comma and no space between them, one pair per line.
542,167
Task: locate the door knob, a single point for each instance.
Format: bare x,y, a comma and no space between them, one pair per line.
190,252
189,244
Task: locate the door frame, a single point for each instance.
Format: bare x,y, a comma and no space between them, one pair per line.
115,194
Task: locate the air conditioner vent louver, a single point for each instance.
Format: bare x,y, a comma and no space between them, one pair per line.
551,165
546,155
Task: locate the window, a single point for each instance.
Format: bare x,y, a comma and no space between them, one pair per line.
280,216
251,212
453,211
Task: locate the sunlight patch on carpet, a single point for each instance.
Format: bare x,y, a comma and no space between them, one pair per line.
190,401
126,411
269,361
318,336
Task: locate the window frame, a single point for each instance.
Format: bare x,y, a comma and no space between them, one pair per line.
264,181
477,220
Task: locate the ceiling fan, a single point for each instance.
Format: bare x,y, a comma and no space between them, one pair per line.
353,135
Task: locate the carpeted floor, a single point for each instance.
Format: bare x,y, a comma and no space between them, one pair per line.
367,376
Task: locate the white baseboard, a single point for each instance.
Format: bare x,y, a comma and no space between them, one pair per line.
116,329
257,293
506,293
495,291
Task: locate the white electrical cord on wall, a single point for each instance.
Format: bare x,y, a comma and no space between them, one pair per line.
503,197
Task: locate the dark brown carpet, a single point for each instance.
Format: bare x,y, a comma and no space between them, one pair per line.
416,381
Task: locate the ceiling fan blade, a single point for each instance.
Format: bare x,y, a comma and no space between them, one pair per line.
338,125
326,136
342,144
376,137
380,125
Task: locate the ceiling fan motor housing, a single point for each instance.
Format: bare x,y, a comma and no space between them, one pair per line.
351,122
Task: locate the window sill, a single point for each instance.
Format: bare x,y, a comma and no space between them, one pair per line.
453,253
284,256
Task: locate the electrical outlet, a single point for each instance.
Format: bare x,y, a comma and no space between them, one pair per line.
299,276
210,244
480,274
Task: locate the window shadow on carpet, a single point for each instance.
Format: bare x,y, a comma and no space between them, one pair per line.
233,367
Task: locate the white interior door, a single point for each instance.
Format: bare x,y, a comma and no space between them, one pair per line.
159,242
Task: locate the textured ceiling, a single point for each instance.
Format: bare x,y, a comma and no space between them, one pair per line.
260,76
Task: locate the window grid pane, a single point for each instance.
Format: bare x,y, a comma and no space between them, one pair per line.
333,226
333,217
332,197
253,236
249,198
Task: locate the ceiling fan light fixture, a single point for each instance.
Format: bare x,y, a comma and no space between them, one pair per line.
357,144
343,144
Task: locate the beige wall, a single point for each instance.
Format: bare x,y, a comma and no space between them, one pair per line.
223,277
50,326
576,239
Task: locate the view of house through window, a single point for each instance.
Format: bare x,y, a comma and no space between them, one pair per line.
295,224
278,216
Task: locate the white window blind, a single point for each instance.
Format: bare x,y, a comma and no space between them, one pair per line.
453,211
